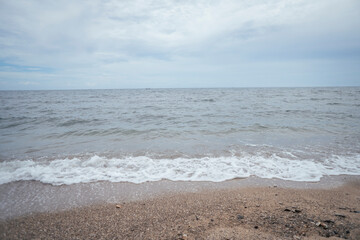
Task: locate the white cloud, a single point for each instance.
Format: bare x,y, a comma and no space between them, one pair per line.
28,83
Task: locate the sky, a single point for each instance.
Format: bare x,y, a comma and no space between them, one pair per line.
105,44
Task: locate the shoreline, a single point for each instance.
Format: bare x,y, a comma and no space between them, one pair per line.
272,211
27,197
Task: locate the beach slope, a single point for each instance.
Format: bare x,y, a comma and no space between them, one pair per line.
246,213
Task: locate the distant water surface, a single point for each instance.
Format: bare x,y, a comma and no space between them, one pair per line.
65,137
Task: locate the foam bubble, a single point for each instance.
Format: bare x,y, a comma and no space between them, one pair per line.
143,168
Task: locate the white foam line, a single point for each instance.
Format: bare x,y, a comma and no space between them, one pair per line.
142,168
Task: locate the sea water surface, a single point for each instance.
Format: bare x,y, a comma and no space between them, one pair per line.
81,136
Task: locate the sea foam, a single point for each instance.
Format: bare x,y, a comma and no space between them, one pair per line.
143,168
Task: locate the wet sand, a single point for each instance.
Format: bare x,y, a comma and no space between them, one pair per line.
248,212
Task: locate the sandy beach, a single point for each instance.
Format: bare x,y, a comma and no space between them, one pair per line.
271,212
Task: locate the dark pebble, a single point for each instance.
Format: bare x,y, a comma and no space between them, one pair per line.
240,217
256,227
287,210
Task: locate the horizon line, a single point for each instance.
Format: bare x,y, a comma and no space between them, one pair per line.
158,88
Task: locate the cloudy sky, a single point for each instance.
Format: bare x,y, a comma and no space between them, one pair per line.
174,43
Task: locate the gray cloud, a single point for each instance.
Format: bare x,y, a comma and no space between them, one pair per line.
105,44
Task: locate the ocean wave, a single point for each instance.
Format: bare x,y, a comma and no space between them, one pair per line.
140,169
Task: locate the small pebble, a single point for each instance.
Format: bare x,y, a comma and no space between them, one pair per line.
240,217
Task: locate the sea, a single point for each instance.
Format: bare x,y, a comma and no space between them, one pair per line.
146,135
